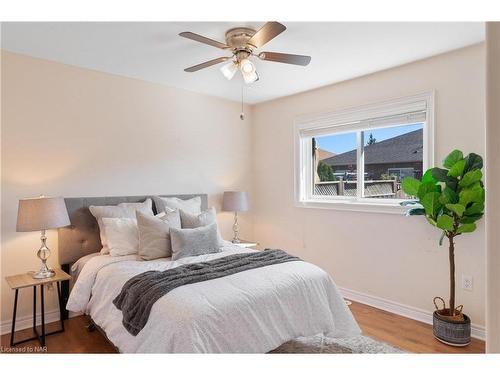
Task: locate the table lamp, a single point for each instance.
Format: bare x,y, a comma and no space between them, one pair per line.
235,201
40,214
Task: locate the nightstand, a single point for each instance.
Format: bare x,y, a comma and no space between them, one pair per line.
245,243
25,280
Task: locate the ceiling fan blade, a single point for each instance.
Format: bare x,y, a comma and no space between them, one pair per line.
202,39
206,64
286,58
267,32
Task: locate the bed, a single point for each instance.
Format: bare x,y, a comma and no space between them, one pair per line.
254,311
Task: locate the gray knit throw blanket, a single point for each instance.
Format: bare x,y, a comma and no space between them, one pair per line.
140,292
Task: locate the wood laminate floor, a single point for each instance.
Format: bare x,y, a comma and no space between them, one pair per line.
407,334
404,333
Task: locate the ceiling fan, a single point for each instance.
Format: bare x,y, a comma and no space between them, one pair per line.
242,42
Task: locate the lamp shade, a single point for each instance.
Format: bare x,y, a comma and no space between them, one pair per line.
235,201
41,213
229,70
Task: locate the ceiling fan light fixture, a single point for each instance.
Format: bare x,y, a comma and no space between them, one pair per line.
229,70
242,42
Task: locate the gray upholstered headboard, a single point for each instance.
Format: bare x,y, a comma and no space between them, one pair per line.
82,236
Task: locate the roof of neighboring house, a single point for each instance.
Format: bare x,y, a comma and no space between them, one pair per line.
324,154
404,148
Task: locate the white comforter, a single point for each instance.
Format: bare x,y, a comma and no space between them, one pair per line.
253,311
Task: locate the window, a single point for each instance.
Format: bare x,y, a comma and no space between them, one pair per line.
356,158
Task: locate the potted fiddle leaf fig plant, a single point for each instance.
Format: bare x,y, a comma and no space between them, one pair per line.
452,200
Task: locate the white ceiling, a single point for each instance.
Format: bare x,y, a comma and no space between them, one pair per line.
154,51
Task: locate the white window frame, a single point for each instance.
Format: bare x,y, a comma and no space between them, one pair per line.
354,120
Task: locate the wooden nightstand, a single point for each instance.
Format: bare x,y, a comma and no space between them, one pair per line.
245,243
25,280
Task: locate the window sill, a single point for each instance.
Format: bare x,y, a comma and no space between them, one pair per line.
376,207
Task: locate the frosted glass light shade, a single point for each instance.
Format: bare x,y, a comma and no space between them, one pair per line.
246,66
229,70
250,77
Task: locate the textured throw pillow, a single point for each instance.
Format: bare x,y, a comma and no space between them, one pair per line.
203,218
122,236
193,205
124,210
192,242
154,234
189,220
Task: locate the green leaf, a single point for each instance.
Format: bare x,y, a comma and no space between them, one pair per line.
415,211
472,194
448,196
456,208
470,219
457,169
472,162
440,174
428,178
427,187
431,203
475,209
453,158
466,228
410,185
452,183
470,177
445,222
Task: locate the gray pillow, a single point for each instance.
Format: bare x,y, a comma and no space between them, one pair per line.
202,219
194,241
154,234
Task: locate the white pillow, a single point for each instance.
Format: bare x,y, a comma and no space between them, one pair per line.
146,206
200,219
154,234
192,206
122,236
125,210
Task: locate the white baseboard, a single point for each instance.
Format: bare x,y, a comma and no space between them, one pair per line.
27,321
414,313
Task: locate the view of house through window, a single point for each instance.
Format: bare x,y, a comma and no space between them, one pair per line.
334,174
389,155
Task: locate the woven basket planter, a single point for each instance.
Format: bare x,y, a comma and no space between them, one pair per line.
451,331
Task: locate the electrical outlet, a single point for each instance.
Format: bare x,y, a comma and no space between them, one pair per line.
467,282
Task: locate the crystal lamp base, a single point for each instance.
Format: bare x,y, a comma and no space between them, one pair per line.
43,254
45,274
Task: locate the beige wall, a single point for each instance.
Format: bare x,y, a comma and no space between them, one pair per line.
383,255
493,185
74,132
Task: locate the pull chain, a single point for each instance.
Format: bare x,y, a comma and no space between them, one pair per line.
242,114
